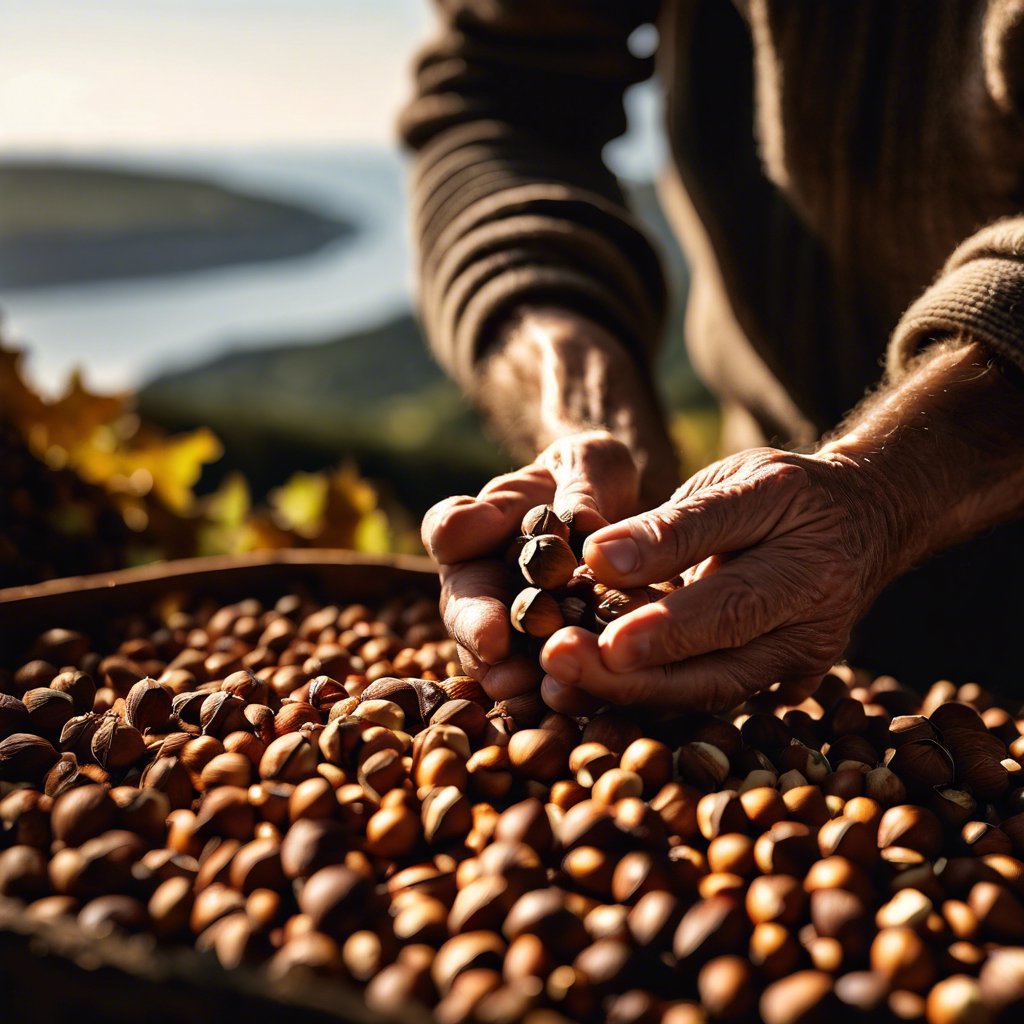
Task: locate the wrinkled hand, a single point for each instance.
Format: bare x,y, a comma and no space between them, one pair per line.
777,555
590,480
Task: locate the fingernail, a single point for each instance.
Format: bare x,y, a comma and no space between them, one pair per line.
622,555
627,653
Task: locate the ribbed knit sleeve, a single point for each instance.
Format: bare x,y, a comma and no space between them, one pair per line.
512,203
980,293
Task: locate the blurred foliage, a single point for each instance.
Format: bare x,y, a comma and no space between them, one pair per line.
87,486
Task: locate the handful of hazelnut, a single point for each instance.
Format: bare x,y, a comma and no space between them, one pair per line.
561,590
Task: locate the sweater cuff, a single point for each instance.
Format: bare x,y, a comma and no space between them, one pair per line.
980,295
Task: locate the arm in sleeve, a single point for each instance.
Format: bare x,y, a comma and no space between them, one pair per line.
979,294
512,203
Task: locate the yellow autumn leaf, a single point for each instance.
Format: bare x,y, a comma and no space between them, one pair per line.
300,502
169,468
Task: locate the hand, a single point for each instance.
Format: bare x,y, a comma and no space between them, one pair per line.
589,478
778,556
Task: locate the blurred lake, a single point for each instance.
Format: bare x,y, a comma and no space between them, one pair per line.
126,331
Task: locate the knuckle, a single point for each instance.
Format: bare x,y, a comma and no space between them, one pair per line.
659,530
741,614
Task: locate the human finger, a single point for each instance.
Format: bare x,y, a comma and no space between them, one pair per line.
474,609
463,527
744,599
666,541
710,682
596,480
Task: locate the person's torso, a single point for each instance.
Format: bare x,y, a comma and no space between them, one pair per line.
832,156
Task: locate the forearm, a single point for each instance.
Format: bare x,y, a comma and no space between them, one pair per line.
551,374
943,450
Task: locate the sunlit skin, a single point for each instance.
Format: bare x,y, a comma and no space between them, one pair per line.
774,555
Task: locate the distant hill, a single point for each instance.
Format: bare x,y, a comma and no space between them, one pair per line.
73,223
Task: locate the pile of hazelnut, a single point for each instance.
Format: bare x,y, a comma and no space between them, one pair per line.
317,790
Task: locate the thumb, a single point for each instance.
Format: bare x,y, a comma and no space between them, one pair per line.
718,520
596,480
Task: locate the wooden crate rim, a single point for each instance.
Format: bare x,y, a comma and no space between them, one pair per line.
184,570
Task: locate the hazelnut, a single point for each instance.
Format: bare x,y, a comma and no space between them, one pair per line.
803,996
481,905
956,1000
1000,915
778,898
311,844
703,765
226,770
885,787
446,816
468,951
105,915
116,745
774,950
25,758
721,812
542,912
909,908
48,710
710,928
392,832
257,865
846,837
788,847
336,899
542,520
171,778
806,804
290,758
982,839
225,811
441,767
763,806
538,754
907,728
13,715
912,827
170,907
900,956
1002,983
381,772
147,705
637,873
922,765
839,873
526,822
221,713
547,561
617,784
23,873
615,731
536,613
727,988
676,805
651,760
82,813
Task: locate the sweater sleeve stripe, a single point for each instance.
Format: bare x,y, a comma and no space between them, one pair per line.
512,201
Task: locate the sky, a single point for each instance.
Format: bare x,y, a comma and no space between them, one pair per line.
131,74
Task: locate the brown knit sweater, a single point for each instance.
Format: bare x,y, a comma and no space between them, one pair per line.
840,162
848,184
